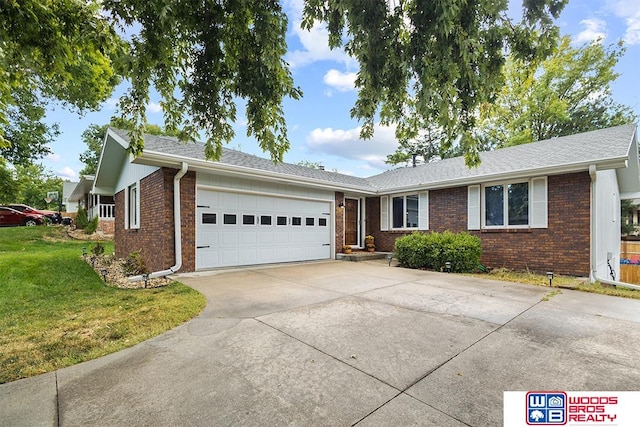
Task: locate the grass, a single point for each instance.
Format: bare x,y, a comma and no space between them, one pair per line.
577,283
55,311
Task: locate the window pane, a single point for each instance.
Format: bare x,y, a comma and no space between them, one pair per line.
398,212
208,218
265,220
248,219
494,205
296,220
282,220
229,219
412,211
518,203
322,222
310,221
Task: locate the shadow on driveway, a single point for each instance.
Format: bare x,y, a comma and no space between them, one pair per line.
338,343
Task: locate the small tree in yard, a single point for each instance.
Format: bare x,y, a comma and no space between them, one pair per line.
81,219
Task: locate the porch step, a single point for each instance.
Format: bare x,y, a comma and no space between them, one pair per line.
362,256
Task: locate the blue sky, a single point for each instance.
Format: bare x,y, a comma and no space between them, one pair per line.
319,125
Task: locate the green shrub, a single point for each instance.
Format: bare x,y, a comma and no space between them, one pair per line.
134,264
81,219
92,226
433,250
97,249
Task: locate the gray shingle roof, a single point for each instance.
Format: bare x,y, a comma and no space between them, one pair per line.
588,147
195,150
585,148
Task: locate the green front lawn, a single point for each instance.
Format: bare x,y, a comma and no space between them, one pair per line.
55,311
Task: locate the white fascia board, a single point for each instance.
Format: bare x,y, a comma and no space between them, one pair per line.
169,160
616,163
124,145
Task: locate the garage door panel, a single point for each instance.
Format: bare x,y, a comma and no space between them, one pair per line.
230,238
256,237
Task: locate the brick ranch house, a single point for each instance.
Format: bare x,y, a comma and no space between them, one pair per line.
548,205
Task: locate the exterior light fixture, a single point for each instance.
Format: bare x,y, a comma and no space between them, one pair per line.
145,277
341,205
550,277
447,266
84,253
93,262
390,258
104,274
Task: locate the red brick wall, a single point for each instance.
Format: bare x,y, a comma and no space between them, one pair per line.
155,237
339,222
562,247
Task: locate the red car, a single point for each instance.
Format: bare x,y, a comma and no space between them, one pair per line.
9,217
53,216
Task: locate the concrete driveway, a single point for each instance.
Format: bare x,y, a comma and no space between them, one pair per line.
338,343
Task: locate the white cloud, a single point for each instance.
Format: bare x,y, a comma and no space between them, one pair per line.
347,144
594,29
154,107
53,157
342,82
629,10
315,42
66,172
112,103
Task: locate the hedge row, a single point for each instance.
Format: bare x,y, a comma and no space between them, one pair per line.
433,250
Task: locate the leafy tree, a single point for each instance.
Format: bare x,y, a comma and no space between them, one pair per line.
28,184
627,208
94,136
429,145
569,92
8,184
26,136
434,61
62,50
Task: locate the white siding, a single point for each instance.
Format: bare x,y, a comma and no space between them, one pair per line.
242,184
607,224
132,173
473,207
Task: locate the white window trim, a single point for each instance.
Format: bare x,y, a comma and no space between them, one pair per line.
505,205
127,204
404,217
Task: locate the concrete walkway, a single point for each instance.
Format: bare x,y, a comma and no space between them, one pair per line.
337,343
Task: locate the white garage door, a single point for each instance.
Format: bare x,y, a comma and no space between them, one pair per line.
246,229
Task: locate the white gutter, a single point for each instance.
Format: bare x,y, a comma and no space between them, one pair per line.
619,284
177,226
594,260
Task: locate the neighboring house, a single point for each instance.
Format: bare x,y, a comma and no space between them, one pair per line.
98,205
67,189
546,206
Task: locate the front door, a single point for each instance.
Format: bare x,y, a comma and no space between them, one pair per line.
351,222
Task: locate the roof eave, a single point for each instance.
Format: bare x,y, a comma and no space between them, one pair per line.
171,160
614,163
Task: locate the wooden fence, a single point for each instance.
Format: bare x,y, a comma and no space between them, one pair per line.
630,273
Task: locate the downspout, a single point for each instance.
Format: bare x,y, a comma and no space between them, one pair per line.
594,256
177,228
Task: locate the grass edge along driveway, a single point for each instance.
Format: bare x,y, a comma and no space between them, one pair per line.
55,311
